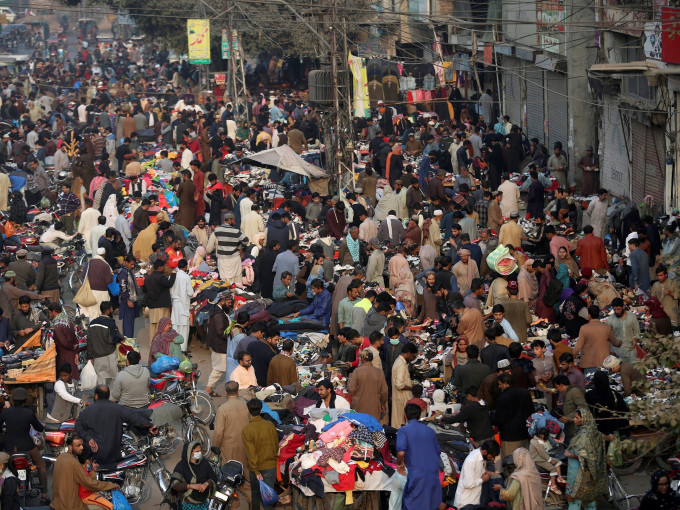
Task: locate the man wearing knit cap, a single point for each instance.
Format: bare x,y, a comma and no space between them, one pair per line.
511,232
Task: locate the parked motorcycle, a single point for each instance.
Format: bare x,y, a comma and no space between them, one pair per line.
132,471
56,435
193,428
178,385
27,475
229,479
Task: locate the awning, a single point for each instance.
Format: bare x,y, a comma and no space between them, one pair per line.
287,159
647,68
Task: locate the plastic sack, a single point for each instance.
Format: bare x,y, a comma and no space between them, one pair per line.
614,455
114,286
268,494
88,377
119,501
501,261
164,363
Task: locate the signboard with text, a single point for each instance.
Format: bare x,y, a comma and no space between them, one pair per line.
198,35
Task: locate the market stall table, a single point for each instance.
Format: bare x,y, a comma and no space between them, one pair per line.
35,376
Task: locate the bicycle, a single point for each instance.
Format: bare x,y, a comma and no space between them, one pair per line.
618,495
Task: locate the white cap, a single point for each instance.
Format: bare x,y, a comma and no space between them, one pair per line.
101,251
438,212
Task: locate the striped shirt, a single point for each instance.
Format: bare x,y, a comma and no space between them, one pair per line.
227,239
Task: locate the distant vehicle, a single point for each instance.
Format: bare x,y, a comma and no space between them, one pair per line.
44,25
13,62
10,15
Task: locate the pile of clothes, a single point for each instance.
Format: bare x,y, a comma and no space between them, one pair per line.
350,453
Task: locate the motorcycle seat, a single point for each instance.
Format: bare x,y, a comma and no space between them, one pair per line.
115,466
52,427
36,248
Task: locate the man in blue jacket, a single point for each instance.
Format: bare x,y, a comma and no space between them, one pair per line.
320,308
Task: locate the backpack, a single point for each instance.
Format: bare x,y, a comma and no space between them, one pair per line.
553,292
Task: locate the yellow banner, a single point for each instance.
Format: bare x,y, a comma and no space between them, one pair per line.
198,34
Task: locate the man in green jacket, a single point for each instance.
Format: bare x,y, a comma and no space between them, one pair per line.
261,443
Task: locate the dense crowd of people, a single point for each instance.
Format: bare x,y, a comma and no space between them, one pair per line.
432,203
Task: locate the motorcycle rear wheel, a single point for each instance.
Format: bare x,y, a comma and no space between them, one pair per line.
199,433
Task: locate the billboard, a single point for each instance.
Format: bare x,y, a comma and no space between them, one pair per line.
198,34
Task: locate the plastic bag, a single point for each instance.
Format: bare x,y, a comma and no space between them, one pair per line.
119,501
614,455
268,494
164,363
114,286
88,377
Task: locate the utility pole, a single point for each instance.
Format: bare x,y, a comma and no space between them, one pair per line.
236,80
340,151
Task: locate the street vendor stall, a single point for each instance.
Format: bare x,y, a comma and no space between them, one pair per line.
286,159
336,464
36,374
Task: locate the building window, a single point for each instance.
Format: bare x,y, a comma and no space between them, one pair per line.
636,85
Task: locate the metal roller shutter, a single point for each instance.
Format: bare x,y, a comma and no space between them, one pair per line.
648,165
513,91
535,105
558,112
615,173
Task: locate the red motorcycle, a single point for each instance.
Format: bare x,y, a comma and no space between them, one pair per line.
56,435
27,475
176,385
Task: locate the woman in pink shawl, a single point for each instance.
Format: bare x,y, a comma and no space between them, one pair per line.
161,341
405,290
396,264
528,284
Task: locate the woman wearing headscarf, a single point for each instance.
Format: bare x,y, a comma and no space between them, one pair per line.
524,489
405,290
142,248
606,405
162,339
388,202
266,259
575,310
527,283
542,310
395,265
660,496
192,480
197,262
111,211
587,471
564,257
661,322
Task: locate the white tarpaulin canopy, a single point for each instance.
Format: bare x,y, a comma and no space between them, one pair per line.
285,158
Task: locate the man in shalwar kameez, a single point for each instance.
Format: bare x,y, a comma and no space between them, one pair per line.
418,451
181,293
